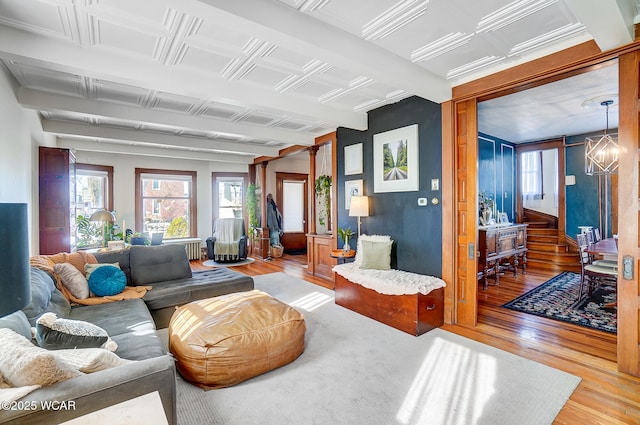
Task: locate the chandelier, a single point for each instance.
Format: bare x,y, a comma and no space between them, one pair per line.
601,153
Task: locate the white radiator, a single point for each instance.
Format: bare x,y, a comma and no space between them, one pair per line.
192,246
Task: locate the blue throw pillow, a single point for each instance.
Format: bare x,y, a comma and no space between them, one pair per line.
107,280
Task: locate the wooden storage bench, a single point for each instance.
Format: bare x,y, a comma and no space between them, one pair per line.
412,313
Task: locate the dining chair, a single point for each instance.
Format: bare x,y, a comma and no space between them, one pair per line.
592,275
596,234
589,234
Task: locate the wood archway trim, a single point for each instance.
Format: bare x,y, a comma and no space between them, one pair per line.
459,240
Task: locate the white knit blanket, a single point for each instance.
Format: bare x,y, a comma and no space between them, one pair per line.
389,282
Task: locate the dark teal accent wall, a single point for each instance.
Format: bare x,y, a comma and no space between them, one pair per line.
582,198
416,230
497,171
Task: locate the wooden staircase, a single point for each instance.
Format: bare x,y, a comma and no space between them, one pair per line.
546,252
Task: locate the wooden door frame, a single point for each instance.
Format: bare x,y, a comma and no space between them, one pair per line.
545,145
280,179
569,62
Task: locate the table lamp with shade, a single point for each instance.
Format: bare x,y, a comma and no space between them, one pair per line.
15,279
359,208
103,216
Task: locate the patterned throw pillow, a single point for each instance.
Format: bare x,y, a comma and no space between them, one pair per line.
73,280
54,334
89,268
107,280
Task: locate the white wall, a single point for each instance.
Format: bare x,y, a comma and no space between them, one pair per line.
20,136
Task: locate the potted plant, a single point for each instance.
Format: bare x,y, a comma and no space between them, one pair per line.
345,233
138,238
251,202
323,190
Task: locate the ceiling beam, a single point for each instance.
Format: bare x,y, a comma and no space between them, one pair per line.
44,101
299,32
610,22
105,64
62,128
123,149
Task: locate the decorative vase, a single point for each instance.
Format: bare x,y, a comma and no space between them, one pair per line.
346,246
487,215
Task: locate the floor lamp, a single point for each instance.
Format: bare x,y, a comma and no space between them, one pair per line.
359,208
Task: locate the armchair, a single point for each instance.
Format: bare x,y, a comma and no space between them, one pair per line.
229,241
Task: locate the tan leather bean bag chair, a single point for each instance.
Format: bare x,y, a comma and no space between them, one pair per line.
221,341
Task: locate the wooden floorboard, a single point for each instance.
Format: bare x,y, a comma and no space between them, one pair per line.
604,396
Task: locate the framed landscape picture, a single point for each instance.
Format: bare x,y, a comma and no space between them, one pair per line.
395,160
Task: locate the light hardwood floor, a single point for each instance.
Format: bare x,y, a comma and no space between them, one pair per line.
604,396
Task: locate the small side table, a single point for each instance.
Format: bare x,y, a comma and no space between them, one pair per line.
342,254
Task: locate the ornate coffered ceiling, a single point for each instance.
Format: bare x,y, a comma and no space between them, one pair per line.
229,81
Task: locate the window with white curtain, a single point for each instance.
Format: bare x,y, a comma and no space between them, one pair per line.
531,175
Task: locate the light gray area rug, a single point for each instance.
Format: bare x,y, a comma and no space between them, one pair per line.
357,371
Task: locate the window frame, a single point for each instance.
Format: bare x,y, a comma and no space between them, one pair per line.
193,196
215,207
108,169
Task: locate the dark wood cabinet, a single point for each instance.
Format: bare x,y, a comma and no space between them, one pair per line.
56,199
501,247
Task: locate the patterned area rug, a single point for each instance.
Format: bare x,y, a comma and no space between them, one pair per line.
554,299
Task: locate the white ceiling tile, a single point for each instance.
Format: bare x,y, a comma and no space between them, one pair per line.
199,59
52,18
127,39
264,76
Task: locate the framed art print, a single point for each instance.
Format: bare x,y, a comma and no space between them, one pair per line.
352,188
353,159
395,160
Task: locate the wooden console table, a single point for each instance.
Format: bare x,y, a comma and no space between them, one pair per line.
498,243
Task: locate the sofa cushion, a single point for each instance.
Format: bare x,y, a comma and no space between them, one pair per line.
45,297
202,284
73,280
120,256
22,363
128,323
151,264
107,280
18,323
53,333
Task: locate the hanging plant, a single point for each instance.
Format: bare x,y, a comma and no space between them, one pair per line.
323,190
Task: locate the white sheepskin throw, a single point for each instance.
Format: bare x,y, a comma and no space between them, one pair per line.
23,364
89,360
389,282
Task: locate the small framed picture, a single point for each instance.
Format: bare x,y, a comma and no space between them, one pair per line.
353,159
504,218
352,188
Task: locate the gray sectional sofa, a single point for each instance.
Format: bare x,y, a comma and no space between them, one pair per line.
130,323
